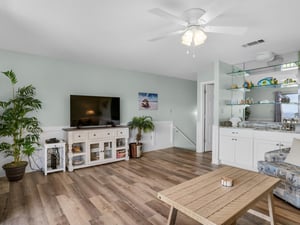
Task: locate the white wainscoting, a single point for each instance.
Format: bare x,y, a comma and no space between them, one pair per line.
161,137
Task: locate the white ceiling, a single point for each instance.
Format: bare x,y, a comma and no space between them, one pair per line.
115,32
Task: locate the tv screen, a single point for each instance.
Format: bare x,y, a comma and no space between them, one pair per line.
86,111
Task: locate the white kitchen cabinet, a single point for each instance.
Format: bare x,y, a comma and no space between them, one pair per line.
242,147
265,141
227,149
261,146
244,152
236,147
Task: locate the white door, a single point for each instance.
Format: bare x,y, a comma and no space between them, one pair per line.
208,116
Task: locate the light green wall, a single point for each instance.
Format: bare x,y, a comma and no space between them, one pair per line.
55,80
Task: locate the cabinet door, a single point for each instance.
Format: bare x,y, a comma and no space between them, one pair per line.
261,147
108,150
244,152
227,148
95,151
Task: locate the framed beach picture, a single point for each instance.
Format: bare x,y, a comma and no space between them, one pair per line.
148,101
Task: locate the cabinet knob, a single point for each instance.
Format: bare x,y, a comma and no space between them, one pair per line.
108,133
78,135
121,132
277,144
94,135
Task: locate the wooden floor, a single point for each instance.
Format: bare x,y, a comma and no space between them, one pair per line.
122,193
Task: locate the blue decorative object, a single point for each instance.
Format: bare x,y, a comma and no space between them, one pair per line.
265,81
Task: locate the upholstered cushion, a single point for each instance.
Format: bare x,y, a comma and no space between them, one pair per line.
294,156
289,186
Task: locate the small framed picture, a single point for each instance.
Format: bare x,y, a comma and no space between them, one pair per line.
148,101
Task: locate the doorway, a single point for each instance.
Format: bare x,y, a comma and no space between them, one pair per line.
208,116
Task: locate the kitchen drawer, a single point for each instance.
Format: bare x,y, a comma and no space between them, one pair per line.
236,132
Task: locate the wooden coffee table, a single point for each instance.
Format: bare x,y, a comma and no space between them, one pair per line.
208,202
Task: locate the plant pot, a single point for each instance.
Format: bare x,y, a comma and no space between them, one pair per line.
136,150
15,172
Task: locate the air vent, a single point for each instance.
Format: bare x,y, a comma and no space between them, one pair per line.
260,41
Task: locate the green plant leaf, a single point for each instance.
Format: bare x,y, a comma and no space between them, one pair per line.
11,75
18,123
142,123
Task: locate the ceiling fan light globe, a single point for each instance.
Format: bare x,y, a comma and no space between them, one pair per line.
187,38
199,37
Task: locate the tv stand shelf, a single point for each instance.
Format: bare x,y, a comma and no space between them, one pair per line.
96,146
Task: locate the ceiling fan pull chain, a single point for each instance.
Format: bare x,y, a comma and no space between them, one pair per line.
194,52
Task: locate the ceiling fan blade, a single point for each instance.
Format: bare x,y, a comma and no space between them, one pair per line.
166,15
216,9
225,30
167,35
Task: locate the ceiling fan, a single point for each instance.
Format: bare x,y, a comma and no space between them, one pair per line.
194,25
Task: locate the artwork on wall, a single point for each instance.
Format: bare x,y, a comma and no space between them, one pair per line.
148,101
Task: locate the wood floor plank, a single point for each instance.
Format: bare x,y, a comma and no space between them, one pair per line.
74,211
122,193
53,212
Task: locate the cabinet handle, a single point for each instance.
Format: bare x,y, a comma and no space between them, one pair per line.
277,144
281,144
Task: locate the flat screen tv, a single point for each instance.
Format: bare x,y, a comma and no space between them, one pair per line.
93,111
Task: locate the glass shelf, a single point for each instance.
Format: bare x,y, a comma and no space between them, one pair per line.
264,103
278,67
239,89
279,86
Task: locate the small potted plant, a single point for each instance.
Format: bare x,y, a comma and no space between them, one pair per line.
21,129
142,124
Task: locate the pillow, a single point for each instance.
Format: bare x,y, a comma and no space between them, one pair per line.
294,156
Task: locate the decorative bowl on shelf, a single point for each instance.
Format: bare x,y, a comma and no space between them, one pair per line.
265,81
77,162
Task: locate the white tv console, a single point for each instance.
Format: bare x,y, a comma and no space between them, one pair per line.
94,146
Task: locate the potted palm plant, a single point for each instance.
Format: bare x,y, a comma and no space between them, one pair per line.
142,124
20,128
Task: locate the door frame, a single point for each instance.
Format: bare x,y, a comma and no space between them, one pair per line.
201,120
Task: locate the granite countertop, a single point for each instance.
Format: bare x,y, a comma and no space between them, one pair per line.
260,129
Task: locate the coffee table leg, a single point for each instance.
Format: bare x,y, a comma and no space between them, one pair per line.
271,209
172,216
